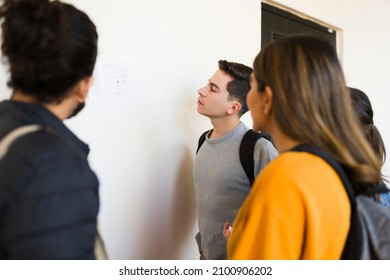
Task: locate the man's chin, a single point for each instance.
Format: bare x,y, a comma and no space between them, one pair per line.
200,110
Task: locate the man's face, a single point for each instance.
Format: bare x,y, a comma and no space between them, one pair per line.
213,100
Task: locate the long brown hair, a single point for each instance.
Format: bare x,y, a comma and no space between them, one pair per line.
311,103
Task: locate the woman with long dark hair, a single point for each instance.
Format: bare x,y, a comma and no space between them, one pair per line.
298,207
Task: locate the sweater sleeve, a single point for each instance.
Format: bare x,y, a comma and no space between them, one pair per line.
264,153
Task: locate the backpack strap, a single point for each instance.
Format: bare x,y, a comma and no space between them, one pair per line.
247,147
202,138
353,245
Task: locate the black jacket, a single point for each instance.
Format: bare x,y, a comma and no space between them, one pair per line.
48,193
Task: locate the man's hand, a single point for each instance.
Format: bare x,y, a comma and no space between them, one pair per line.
227,230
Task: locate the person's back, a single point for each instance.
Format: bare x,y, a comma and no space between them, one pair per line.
286,209
48,193
221,183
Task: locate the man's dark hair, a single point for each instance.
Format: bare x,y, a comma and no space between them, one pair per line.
239,87
49,46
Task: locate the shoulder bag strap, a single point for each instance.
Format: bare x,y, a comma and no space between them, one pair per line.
352,247
10,138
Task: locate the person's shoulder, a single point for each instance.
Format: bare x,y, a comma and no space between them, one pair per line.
302,172
263,144
301,163
264,141
41,145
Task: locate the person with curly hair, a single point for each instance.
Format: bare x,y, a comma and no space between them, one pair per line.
48,193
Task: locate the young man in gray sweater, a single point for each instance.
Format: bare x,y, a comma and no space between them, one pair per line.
221,184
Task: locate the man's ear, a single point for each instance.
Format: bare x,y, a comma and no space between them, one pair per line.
268,99
234,108
83,87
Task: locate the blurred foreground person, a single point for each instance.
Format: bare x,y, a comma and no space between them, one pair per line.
48,193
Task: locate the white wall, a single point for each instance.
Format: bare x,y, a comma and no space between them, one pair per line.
144,155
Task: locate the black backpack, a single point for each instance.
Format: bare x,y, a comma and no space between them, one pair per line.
247,146
369,233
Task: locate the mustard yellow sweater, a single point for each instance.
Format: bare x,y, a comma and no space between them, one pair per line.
297,209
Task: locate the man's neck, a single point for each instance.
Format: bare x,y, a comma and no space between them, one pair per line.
56,109
222,126
21,97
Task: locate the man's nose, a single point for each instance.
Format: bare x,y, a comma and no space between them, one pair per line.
202,91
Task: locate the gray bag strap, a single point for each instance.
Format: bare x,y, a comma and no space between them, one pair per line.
100,247
7,140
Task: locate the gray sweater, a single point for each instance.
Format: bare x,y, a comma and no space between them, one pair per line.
221,185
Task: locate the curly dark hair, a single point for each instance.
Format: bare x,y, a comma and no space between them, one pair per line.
49,46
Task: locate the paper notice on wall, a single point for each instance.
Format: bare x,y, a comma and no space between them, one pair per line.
111,89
